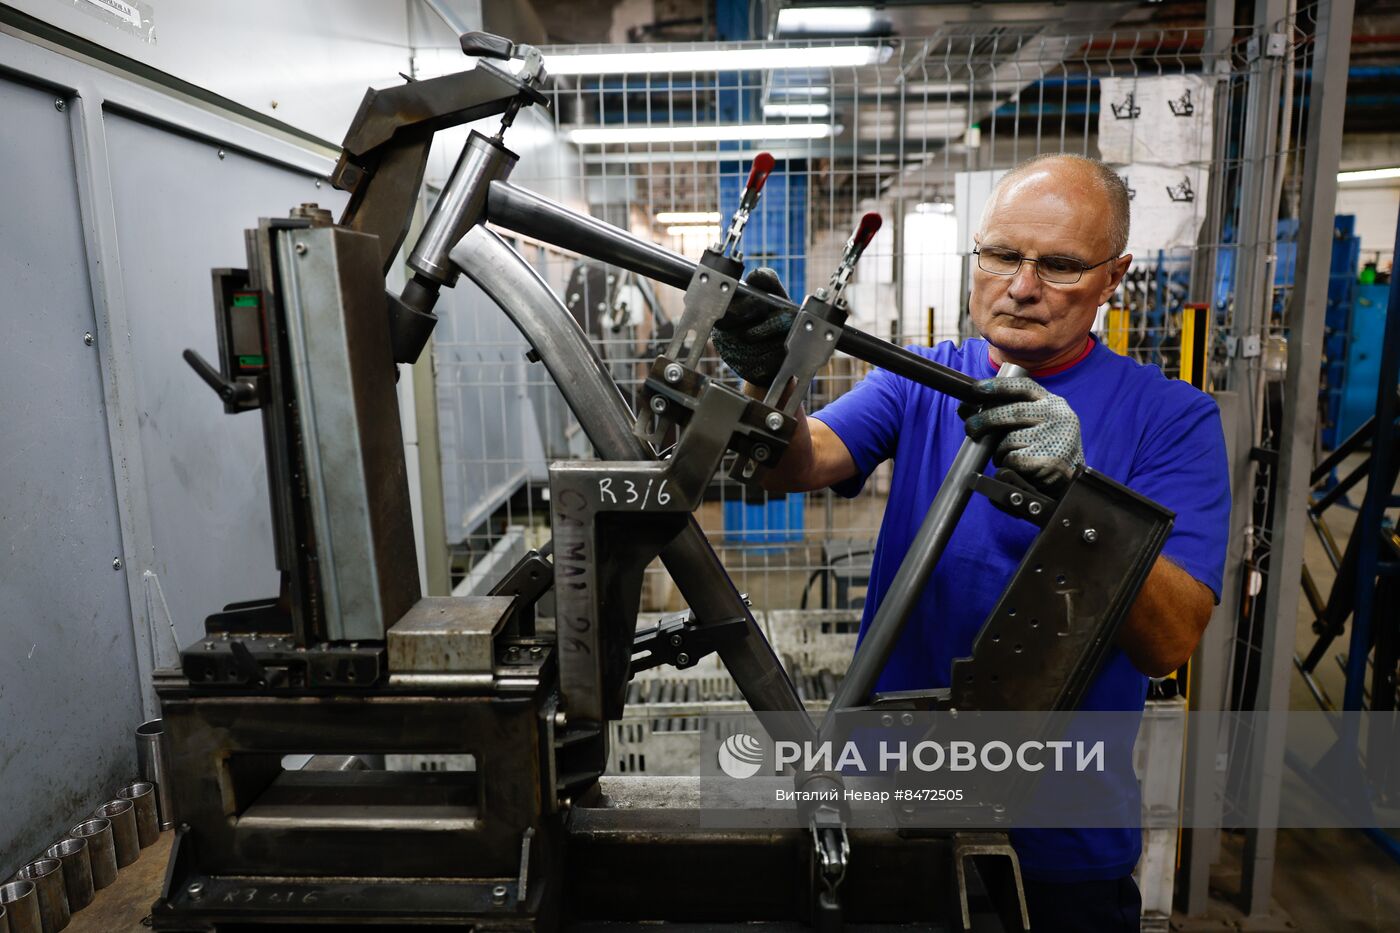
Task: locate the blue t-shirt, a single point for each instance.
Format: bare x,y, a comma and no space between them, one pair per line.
1158,436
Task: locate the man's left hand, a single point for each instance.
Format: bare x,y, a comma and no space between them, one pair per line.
1042,441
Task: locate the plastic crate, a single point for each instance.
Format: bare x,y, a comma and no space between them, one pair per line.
1157,762
812,640
662,728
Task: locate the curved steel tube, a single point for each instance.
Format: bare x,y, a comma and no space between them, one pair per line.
598,404
897,605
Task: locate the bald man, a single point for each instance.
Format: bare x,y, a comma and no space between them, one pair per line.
1050,252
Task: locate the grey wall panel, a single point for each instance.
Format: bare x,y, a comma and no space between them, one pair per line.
181,208
68,692
306,63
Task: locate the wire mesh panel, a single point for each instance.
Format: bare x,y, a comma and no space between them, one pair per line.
1259,235
658,139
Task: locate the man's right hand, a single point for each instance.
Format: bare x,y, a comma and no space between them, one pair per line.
751,334
1041,439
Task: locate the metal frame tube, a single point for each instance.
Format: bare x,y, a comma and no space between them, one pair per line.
897,606
527,213
534,216
1305,318
1258,211
594,398
1206,736
1379,486
911,366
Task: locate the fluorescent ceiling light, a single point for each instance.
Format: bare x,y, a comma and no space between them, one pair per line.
770,59
782,89
708,230
933,207
828,19
713,133
813,111
688,217
1370,174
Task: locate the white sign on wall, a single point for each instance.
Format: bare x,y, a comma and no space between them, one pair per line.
1161,120
1157,130
1168,205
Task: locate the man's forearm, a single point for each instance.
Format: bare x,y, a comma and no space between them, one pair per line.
1166,621
815,457
791,470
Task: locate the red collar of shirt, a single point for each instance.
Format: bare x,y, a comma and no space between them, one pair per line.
1050,370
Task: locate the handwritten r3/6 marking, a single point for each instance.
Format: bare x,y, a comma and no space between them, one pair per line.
627,492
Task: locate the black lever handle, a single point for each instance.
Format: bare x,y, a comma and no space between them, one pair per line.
232,393
485,45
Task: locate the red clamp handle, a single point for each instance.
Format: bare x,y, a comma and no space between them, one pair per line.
758,174
865,232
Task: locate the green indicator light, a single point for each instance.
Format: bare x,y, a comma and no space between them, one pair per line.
251,361
245,301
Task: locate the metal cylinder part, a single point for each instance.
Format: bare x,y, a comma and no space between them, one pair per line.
142,795
153,757
124,837
102,852
47,875
21,902
77,870
459,207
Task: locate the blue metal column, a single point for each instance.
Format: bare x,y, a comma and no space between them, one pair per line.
1378,498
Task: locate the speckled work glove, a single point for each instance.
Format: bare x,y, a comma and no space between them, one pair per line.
1042,432
750,336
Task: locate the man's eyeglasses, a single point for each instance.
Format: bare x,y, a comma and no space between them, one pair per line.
1056,270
